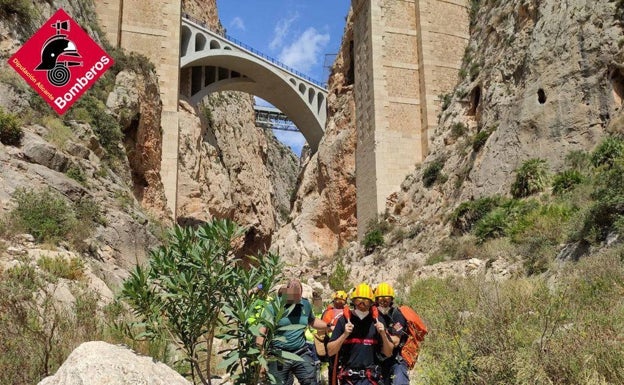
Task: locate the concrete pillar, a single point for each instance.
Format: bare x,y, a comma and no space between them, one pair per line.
152,28
407,53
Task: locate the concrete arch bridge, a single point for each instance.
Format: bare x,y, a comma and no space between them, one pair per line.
210,62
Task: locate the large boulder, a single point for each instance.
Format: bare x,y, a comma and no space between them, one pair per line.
100,363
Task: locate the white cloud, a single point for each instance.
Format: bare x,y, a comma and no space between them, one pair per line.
238,23
304,52
281,30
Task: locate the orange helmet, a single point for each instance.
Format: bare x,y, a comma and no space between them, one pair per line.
384,290
362,291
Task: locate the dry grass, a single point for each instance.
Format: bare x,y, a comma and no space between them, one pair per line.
561,328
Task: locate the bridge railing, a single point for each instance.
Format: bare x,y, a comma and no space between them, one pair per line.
255,51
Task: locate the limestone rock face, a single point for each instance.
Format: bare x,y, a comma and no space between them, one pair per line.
204,188
323,216
135,102
50,149
204,10
283,167
228,168
545,78
100,363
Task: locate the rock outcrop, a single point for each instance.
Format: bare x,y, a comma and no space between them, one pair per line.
323,216
223,168
69,158
100,363
135,103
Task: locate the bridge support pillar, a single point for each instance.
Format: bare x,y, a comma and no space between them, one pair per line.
152,28
407,53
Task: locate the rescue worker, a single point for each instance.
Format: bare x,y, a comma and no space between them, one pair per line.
299,312
359,338
394,369
335,310
331,315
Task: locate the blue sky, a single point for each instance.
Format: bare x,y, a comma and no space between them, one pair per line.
298,33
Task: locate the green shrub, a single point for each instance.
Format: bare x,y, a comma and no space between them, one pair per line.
76,173
11,132
480,139
45,214
578,160
607,152
541,221
499,222
58,132
533,330
21,8
372,240
493,225
445,100
565,181
374,236
468,213
49,217
532,177
458,129
193,285
432,172
339,277
608,206
538,234
37,333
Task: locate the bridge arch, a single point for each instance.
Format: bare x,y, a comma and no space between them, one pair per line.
215,64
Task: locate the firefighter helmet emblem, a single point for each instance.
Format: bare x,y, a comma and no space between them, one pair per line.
59,53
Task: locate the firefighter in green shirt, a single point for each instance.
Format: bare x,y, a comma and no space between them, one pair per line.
293,340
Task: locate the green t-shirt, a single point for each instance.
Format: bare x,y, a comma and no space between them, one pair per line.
300,314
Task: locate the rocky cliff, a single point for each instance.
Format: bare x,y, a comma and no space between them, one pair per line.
67,155
540,79
323,217
229,167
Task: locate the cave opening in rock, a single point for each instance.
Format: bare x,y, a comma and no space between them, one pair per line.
475,100
617,84
541,96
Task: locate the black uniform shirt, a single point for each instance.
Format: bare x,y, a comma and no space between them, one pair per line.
397,326
362,348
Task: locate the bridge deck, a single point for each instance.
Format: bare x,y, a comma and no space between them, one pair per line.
273,118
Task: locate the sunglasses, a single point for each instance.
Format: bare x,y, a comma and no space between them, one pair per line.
384,298
358,301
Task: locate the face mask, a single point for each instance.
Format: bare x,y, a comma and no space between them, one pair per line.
361,314
383,310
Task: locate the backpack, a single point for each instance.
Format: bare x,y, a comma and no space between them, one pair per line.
320,342
416,331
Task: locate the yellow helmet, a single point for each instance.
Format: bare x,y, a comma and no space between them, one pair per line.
340,294
384,290
362,291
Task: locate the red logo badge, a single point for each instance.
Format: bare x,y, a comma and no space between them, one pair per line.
61,61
